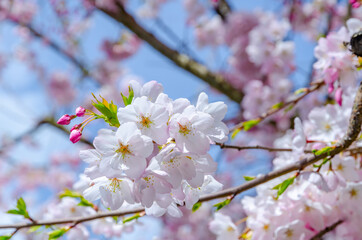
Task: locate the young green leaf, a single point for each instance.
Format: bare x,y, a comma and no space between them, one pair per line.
21,205
85,203
21,209
320,165
69,193
196,206
283,186
248,178
134,217
300,90
250,124
128,100
5,237
235,132
14,211
277,105
222,204
323,150
57,233
108,110
34,228
73,194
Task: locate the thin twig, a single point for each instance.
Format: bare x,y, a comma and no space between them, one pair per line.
184,61
53,46
330,228
51,121
292,102
256,147
356,150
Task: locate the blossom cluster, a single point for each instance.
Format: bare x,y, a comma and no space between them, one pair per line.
336,64
322,194
157,157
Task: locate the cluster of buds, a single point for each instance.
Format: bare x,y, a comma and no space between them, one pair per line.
76,131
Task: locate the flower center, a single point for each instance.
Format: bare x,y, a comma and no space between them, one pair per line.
289,233
353,193
184,130
145,121
114,185
123,149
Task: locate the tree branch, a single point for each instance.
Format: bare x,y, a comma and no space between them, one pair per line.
75,220
215,80
222,8
330,228
292,102
53,46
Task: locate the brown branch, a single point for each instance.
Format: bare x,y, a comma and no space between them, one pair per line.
354,129
75,220
330,228
256,147
356,150
53,46
222,8
292,102
215,80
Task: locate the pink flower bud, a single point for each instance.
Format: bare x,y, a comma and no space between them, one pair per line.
338,96
76,126
80,111
65,119
75,135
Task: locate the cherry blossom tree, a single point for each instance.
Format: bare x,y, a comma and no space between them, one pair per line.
100,143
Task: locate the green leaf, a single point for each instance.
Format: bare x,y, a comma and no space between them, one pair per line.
34,228
284,185
320,165
85,203
300,90
5,237
222,204
134,217
57,233
21,209
15,211
69,193
196,206
277,105
323,150
128,100
248,178
21,205
235,132
249,124
291,106
108,110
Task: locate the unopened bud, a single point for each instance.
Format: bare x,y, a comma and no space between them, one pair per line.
65,119
80,111
75,135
